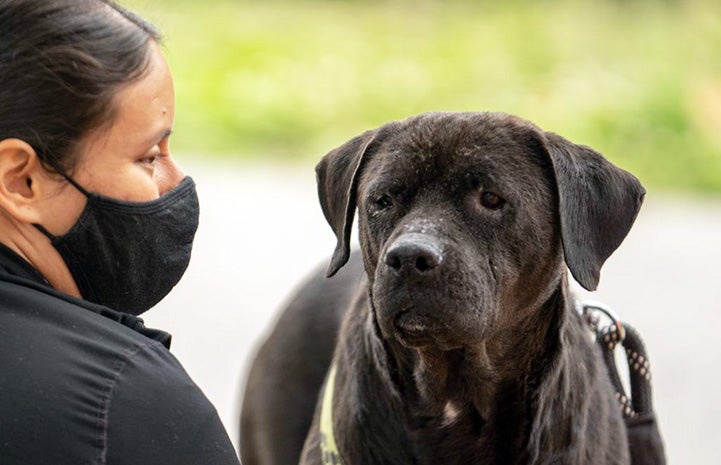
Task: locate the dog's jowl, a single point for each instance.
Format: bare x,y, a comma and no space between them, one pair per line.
452,338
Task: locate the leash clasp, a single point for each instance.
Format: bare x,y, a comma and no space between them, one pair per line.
591,311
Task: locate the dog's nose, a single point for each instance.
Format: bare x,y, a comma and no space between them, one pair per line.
415,253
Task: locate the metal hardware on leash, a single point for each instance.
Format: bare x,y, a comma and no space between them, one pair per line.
590,309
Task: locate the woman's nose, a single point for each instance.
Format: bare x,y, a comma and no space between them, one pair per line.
171,175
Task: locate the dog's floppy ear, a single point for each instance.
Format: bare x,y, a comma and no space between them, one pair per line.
598,203
337,175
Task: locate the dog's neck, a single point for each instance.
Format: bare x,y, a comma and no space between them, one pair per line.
483,395
444,383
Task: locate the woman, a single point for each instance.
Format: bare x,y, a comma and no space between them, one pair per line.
96,226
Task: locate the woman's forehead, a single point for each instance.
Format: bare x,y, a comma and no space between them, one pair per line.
144,110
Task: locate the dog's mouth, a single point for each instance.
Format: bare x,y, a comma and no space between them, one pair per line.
416,329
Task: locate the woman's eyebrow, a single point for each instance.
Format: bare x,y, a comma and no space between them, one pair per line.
159,136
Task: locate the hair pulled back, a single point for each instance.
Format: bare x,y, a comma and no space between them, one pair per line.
61,63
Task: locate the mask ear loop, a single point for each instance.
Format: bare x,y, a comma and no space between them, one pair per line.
57,169
42,229
75,184
80,188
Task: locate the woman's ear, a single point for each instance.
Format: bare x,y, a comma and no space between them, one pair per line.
23,181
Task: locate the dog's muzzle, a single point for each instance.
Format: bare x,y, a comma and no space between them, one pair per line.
411,262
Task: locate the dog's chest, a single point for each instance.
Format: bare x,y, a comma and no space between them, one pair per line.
463,438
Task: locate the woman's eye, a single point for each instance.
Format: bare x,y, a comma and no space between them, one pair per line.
491,200
382,202
149,160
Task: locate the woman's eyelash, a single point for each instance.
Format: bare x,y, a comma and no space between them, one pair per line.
150,159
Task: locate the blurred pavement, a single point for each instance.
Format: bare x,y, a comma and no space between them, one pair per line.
262,230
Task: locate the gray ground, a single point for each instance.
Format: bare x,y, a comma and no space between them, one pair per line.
262,231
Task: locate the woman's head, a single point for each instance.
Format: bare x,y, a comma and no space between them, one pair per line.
61,63
85,91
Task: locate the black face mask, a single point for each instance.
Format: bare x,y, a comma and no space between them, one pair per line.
129,255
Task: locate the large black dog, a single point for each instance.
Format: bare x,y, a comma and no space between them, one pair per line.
455,341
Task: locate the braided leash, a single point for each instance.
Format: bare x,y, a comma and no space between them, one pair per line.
645,444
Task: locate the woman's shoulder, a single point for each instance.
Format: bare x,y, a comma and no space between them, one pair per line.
58,362
163,417
84,385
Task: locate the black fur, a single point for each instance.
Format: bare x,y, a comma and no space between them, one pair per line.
466,349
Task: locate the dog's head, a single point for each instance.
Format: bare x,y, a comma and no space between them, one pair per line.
466,220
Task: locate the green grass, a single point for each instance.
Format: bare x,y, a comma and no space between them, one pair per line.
638,81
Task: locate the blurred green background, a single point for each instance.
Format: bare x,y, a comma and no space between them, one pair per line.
282,80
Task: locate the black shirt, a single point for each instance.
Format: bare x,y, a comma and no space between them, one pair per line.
83,384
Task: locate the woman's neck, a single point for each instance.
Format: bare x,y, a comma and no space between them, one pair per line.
35,248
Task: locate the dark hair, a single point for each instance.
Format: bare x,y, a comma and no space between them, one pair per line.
61,63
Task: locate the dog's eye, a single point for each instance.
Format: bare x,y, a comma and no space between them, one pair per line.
491,200
382,202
